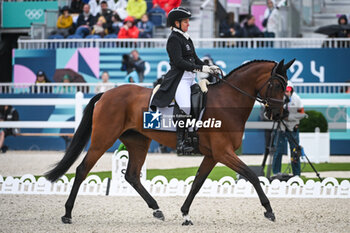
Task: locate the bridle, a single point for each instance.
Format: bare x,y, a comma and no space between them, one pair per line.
267,101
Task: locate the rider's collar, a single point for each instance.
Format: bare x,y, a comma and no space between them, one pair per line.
185,34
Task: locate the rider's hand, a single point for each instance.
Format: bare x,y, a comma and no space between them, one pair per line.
216,69
206,69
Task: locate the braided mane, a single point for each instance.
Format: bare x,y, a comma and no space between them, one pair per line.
245,64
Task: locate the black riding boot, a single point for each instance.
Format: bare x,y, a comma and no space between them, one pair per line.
183,142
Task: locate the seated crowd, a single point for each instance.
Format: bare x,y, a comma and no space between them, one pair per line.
107,19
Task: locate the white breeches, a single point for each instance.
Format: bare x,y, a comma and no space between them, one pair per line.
183,91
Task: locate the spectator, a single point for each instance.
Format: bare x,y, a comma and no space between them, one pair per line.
145,27
131,78
293,113
120,8
2,136
346,89
272,20
134,66
230,28
105,85
136,8
107,14
166,5
129,30
117,23
41,78
64,22
66,89
76,6
95,6
343,20
98,30
85,22
7,113
250,29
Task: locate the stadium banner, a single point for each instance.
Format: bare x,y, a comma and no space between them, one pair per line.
23,14
311,65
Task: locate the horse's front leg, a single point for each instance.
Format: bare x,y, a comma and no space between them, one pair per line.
205,168
231,160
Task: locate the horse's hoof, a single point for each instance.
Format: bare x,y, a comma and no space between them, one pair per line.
187,223
158,215
270,216
66,220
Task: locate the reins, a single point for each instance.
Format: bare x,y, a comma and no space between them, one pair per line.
265,101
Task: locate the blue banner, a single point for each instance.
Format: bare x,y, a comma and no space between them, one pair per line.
311,65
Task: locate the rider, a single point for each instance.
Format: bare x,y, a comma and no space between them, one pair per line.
179,79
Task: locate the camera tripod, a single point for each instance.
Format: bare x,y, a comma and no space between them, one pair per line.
297,150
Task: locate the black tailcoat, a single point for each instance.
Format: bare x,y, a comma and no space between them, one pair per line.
183,58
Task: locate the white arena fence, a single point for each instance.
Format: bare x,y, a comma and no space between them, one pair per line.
160,186
79,102
52,88
199,43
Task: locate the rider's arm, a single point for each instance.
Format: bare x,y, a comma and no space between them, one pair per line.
175,53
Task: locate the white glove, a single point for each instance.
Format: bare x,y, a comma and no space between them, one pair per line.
207,70
216,69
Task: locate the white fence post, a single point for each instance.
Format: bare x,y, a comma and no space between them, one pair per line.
79,98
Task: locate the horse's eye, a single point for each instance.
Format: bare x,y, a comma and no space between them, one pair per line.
278,86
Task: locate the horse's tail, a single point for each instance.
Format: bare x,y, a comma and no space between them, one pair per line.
79,141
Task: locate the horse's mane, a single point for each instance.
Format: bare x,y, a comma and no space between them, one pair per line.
240,67
244,65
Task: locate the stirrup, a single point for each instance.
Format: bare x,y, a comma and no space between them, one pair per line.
184,149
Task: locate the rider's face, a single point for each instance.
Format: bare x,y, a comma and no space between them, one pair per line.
185,24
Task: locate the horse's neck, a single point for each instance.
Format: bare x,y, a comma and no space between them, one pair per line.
248,79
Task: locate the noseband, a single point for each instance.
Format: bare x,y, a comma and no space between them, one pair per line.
267,101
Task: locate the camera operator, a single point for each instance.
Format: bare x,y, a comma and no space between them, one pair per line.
7,113
134,66
293,112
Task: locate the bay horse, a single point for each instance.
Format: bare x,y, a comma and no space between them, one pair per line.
118,113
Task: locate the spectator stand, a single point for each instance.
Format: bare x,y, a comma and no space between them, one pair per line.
158,17
42,30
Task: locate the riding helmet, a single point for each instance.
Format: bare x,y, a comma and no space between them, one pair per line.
178,14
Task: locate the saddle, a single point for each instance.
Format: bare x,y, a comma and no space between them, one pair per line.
198,102
198,97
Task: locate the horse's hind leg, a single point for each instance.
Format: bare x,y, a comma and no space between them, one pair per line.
203,171
232,161
137,146
101,140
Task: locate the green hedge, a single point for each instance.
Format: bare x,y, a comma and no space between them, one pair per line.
315,119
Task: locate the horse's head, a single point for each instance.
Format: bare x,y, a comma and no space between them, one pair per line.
272,92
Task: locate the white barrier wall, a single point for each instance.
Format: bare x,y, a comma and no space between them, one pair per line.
160,186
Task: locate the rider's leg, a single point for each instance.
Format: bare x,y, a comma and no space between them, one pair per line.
183,99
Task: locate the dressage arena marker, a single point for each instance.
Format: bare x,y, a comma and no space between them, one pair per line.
160,186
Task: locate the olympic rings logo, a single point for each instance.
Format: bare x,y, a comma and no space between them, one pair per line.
336,114
34,13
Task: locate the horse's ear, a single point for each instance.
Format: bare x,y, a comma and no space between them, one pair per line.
279,68
286,66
